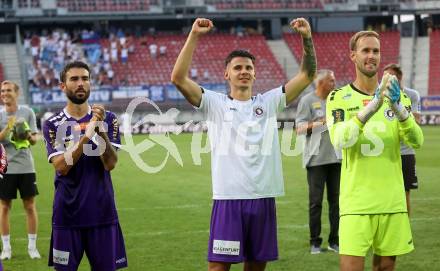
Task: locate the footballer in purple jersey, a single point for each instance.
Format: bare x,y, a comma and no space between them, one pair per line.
79,146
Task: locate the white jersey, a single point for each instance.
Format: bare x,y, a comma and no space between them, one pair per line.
245,150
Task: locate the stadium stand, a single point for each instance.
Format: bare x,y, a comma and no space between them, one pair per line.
333,52
2,76
106,5
434,63
148,64
266,4
29,3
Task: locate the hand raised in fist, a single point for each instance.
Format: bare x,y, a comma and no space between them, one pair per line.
202,26
301,26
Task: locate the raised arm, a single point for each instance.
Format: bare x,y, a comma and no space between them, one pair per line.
307,70
179,77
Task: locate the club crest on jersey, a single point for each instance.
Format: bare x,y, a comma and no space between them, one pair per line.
258,111
389,114
320,113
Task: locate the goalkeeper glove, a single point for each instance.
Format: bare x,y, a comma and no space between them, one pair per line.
365,114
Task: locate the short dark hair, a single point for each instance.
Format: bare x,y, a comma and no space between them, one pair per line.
239,53
396,68
71,65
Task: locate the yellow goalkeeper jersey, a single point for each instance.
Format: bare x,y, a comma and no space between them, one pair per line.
371,173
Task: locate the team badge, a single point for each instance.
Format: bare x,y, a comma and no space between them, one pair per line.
389,114
320,113
258,111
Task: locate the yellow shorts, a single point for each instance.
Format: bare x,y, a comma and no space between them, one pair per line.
388,234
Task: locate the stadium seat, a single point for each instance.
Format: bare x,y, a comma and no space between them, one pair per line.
332,51
434,63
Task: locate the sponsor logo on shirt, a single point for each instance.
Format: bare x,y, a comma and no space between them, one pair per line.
232,108
258,111
121,260
353,108
60,257
338,115
226,247
316,105
347,96
389,114
365,102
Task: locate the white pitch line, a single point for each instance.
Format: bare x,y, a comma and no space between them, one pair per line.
161,233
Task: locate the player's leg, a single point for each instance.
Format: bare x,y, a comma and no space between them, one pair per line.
66,249
332,180
28,190
31,214
351,263
261,242
409,176
393,238
105,248
316,180
32,226
218,266
8,192
226,238
5,206
384,263
356,234
254,266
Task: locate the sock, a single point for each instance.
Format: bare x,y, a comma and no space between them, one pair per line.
6,241
32,241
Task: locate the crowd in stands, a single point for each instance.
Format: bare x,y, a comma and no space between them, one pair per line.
106,5
265,4
50,51
121,59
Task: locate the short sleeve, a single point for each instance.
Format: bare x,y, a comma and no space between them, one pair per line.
210,102
32,122
113,128
50,140
303,113
276,97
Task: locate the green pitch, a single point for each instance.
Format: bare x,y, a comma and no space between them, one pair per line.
165,216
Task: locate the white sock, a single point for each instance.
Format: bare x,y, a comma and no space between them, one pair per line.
32,241
6,240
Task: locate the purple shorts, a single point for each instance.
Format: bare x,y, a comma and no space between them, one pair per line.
243,230
104,247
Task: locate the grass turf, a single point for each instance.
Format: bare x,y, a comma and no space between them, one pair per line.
165,216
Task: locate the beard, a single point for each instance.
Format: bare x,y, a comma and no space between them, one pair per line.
367,73
73,97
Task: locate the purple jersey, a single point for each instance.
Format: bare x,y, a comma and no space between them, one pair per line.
84,197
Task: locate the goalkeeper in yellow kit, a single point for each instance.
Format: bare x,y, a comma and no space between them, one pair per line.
367,121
